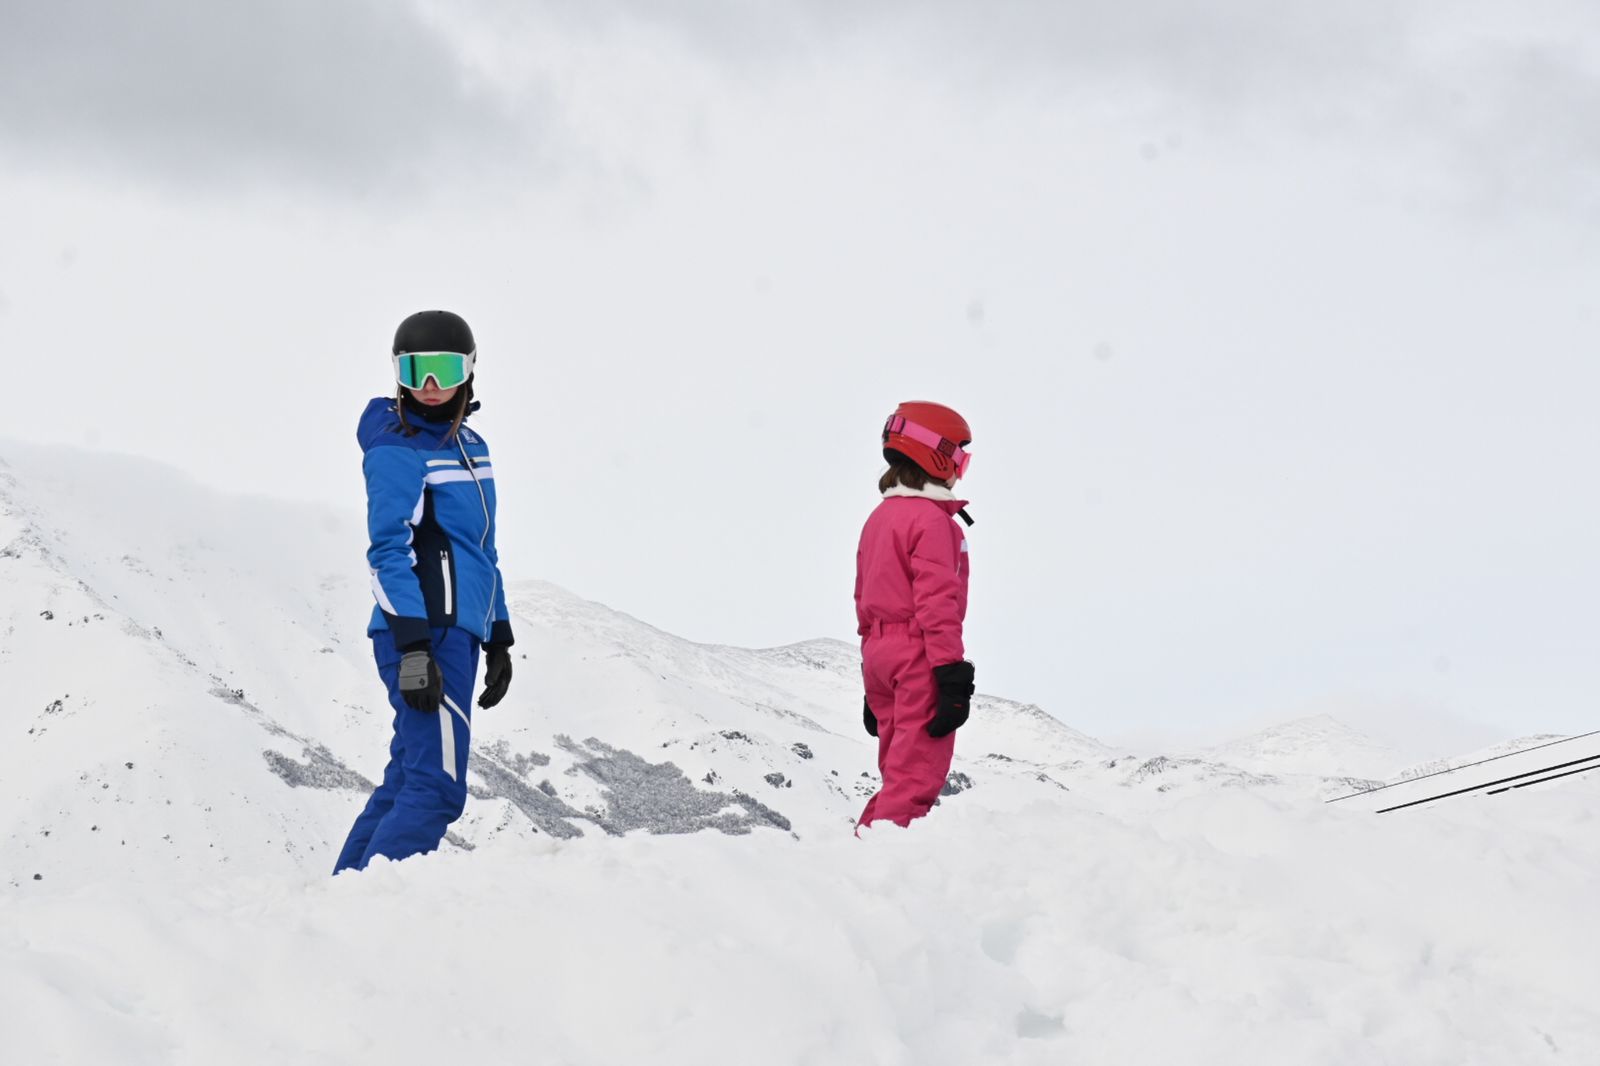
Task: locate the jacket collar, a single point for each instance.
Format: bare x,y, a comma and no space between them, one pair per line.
939,494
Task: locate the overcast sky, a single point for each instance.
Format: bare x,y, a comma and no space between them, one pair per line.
1275,320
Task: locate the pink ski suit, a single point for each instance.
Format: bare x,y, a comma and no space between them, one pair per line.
911,598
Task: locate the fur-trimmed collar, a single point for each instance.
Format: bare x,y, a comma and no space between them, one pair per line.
931,491
935,493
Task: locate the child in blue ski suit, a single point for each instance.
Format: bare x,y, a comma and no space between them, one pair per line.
436,578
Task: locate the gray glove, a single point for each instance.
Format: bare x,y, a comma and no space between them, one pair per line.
421,685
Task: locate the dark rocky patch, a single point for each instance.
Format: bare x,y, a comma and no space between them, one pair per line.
955,784
321,769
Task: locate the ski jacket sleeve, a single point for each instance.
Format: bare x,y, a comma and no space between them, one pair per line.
394,506
500,629
936,590
861,614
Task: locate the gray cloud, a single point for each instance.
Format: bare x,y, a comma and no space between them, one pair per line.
344,93
1518,121
1496,101
1071,35
1223,49
360,96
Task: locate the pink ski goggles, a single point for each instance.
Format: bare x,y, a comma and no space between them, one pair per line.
923,435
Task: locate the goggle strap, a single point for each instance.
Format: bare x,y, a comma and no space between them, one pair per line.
923,435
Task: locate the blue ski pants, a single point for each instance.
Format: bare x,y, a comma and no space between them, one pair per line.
424,787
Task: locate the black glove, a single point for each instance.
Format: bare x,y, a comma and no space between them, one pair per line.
955,697
868,719
421,685
496,676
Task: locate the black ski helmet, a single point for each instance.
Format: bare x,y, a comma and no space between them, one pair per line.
434,331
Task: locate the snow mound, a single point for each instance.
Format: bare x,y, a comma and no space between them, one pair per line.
1254,930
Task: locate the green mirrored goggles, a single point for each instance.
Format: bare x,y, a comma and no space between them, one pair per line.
447,369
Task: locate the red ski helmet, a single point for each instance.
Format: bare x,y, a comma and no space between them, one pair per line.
930,435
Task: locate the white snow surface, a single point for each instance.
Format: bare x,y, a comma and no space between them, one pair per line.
657,863
1317,745
1493,751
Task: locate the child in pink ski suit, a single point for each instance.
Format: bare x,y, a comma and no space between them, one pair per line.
911,599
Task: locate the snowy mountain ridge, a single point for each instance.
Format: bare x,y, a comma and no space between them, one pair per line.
192,638
193,722
200,608
1318,745
1493,751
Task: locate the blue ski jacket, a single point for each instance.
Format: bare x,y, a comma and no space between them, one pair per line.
430,518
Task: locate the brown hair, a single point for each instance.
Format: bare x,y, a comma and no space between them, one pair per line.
903,471
463,401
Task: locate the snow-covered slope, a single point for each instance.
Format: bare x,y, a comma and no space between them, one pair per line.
191,679
1493,751
657,863
1316,746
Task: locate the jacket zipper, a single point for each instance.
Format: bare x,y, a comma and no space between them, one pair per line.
449,593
